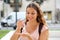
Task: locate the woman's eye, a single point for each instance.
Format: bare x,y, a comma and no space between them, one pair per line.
32,13
27,13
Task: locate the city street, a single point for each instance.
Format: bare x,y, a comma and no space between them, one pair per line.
50,26
54,32
53,35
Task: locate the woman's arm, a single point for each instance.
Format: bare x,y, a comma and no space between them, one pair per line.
44,35
16,35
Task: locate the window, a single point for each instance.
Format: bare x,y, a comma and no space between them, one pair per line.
2,14
9,17
7,1
48,15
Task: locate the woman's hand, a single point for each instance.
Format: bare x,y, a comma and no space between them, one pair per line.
25,37
20,25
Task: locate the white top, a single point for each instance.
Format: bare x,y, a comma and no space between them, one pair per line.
34,35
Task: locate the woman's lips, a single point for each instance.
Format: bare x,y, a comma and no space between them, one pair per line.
30,18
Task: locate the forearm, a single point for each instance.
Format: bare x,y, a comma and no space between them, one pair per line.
16,35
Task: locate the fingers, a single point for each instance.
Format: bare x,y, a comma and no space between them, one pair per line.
20,24
26,35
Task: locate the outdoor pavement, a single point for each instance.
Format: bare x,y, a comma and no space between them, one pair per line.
54,32
53,35
50,26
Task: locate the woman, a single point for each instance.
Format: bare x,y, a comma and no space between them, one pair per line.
35,26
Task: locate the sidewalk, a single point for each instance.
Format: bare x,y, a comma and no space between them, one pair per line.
53,35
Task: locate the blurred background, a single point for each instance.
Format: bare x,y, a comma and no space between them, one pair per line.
13,10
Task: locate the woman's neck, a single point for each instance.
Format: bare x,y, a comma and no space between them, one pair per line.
32,23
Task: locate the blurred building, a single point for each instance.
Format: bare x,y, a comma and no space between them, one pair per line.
48,7
57,16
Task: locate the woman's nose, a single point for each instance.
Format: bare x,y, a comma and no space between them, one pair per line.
30,15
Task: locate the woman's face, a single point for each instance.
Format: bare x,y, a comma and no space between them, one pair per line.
31,14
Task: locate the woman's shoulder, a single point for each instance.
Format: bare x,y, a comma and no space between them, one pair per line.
44,28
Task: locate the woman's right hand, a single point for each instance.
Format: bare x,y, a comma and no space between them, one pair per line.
20,24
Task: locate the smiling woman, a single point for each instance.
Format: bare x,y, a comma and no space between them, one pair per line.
35,26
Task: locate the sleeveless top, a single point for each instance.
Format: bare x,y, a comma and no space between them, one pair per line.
34,35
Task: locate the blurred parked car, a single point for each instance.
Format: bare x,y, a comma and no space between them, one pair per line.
10,20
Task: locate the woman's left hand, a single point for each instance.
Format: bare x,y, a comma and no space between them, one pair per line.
25,36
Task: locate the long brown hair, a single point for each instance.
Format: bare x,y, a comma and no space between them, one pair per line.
40,18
